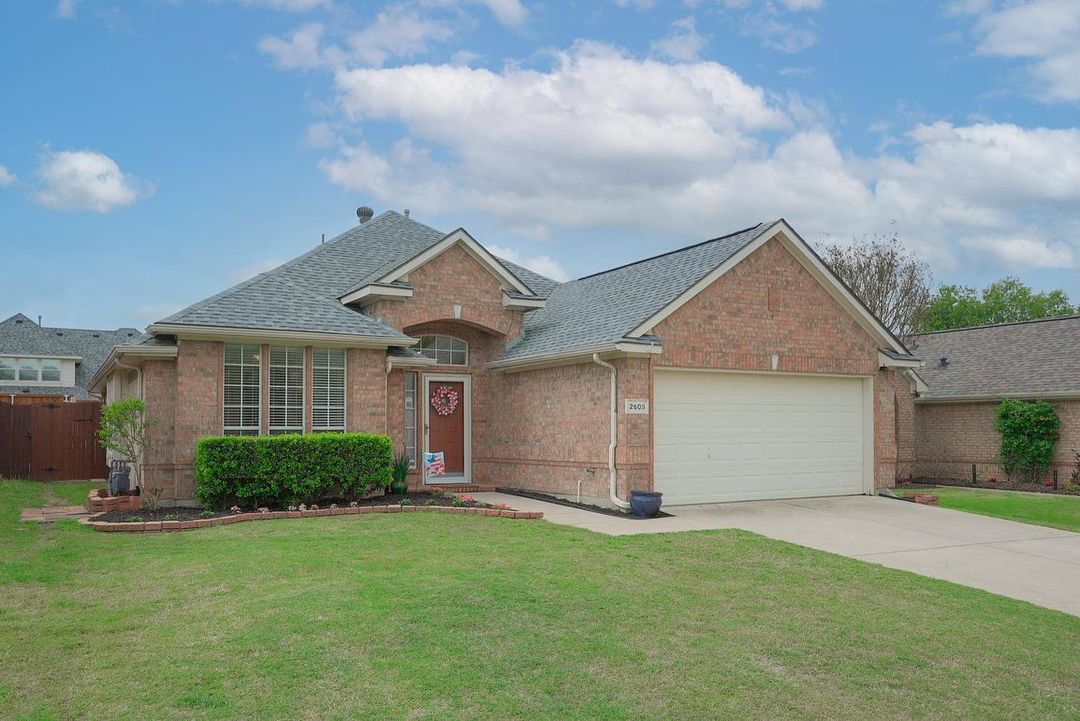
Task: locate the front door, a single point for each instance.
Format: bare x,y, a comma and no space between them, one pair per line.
447,414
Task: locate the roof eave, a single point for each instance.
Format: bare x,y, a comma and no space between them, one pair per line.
208,332
145,352
576,355
995,398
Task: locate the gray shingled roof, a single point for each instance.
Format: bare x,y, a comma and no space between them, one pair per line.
269,301
1036,358
602,308
303,294
19,334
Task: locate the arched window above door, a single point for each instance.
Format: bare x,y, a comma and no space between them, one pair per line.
445,349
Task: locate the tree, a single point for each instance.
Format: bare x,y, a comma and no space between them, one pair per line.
890,280
1004,301
124,430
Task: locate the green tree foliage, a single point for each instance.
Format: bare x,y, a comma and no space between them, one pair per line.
1029,433
1005,301
124,428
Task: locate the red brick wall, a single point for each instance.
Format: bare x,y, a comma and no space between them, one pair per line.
950,437
159,465
549,431
199,371
365,390
453,278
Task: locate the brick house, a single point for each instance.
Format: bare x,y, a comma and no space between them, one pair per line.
737,368
968,371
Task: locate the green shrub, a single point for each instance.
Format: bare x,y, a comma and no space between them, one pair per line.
282,470
1029,433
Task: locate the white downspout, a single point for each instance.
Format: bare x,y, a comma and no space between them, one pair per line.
614,436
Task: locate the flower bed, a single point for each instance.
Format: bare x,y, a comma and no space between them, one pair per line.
182,519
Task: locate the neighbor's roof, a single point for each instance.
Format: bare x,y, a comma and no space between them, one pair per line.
1029,359
603,308
20,335
303,294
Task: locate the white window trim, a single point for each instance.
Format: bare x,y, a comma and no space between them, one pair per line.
445,335
345,396
224,428
303,391
38,382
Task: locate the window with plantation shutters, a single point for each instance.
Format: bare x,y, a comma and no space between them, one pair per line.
242,390
328,389
286,390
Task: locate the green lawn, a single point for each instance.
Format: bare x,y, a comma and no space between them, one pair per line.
1056,511
443,617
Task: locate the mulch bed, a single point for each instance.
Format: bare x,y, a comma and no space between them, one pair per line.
191,514
1001,485
572,504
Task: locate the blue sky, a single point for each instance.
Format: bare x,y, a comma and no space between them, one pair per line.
153,153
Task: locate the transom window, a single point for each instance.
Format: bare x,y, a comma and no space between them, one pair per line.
32,370
286,390
242,391
328,390
445,349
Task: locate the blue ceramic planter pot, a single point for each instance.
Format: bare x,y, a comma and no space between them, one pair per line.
645,504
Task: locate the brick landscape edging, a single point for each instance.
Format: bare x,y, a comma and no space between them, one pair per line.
154,526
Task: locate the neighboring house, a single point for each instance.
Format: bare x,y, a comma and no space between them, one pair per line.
968,371
736,368
37,361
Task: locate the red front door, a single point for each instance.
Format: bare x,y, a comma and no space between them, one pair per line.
446,424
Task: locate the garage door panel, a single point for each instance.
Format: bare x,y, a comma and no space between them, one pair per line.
729,436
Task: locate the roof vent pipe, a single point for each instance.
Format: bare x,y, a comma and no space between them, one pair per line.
944,362
364,213
406,213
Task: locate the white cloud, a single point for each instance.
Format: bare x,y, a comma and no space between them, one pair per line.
1042,31
250,271
507,12
86,180
396,32
287,5
65,9
682,43
603,139
542,264
777,34
6,177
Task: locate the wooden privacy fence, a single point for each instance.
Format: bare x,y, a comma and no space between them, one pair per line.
51,441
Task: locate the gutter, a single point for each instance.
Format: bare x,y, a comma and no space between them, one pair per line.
612,495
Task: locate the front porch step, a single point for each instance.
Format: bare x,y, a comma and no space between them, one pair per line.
459,489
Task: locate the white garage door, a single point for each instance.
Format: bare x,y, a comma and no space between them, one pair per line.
745,436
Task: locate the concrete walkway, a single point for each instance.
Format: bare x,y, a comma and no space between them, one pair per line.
48,514
1031,563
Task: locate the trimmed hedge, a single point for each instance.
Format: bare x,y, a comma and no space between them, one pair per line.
289,470
1029,434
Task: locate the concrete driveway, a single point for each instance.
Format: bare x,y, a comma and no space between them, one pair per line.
1031,563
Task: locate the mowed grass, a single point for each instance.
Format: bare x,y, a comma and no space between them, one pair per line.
1055,511
433,616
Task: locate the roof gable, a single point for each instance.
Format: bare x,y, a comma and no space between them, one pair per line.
810,260
459,237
